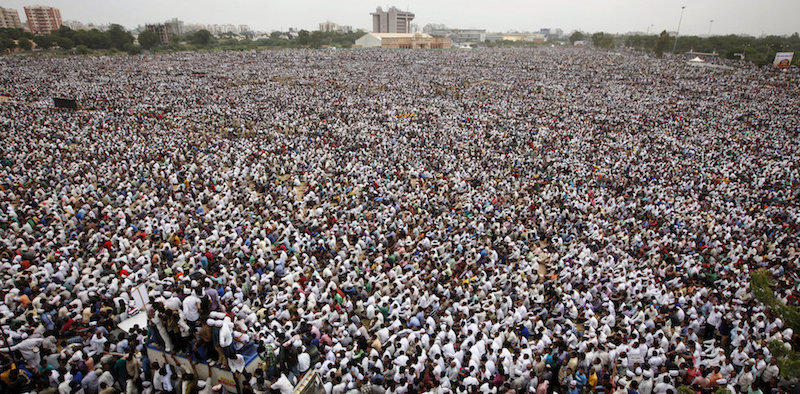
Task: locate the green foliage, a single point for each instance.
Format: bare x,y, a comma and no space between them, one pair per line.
723,390
685,390
315,40
201,38
14,34
761,284
760,51
94,39
642,42
662,43
576,36
303,37
788,360
65,43
25,43
131,49
43,42
64,31
603,40
148,39
118,37
6,43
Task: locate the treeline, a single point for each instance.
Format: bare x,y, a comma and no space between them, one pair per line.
82,41
116,38
203,39
759,50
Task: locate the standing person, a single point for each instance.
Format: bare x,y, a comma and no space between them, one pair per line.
191,308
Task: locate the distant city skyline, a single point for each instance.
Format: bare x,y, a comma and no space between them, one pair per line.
614,16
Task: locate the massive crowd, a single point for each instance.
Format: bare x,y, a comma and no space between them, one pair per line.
552,221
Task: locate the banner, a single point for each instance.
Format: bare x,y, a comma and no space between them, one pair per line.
783,59
139,299
63,102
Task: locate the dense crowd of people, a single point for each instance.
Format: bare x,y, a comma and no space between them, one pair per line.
552,221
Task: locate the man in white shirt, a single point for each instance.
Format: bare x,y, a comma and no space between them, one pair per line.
738,357
96,343
771,371
191,308
282,384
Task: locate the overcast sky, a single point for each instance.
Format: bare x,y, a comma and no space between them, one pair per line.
753,17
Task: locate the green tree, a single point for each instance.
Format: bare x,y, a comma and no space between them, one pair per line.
761,285
575,36
6,43
722,390
662,44
132,49
65,31
202,38
148,39
118,37
15,34
43,42
303,37
316,38
24,43
65,43
82,50
603,40
94,39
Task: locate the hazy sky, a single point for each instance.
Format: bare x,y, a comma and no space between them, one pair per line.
617,16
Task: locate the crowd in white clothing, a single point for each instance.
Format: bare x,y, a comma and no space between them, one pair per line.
495,220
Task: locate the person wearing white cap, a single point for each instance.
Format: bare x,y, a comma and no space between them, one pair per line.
97,343
191,307
422,228
28,348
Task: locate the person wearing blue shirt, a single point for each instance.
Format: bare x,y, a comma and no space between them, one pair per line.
573,388
580,378
634,388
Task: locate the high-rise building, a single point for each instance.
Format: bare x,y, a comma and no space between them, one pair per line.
391,21
43,19
175,27
328,26
344,29
430,27
9,18
161,31
461,35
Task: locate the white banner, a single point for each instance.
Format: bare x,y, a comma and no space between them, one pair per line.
139,299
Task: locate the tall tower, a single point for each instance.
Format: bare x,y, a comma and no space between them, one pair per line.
391,21
42,19
9,18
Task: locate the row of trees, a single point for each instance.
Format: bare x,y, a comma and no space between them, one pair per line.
115,38
203,39
758,50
